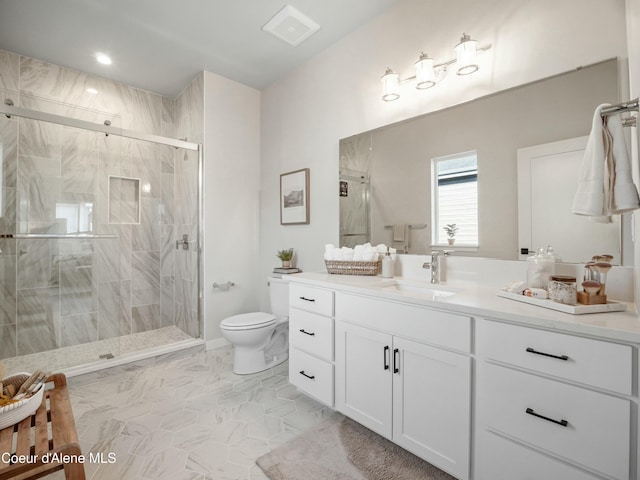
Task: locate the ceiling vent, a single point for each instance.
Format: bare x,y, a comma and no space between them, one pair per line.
291,25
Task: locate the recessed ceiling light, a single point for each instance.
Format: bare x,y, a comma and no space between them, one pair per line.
103,59
92,91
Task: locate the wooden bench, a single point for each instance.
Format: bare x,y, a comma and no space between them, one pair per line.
49,434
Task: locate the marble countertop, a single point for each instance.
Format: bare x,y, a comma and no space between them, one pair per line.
479,301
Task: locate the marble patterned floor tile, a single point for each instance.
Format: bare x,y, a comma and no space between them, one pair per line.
188,418
166,461
150,443
207,456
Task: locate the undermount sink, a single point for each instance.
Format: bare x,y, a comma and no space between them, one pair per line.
416,288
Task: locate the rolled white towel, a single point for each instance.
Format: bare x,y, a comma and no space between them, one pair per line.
347,254
370,256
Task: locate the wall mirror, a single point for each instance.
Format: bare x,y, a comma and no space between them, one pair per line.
386,174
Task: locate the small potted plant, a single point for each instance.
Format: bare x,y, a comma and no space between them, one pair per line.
285,256
451,230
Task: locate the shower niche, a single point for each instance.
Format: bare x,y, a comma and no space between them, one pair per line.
124,200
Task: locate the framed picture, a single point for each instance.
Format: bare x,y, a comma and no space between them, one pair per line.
294,197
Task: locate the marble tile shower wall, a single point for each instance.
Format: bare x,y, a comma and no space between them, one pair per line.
189,124
55,179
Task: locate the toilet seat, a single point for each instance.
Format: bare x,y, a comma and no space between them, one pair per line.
248,321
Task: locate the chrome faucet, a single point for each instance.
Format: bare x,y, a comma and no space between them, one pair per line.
436,264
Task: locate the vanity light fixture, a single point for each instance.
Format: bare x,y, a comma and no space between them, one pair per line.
390,85
428,73
466,52
425,73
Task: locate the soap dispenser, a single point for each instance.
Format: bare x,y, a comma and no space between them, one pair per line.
387,265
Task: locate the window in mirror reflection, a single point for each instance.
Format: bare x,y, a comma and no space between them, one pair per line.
455,198
77,216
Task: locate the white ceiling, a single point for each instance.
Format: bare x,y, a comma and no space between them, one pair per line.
160,45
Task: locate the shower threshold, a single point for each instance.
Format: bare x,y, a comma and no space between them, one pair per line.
81,359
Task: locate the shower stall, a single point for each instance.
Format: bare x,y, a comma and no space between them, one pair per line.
99,236
355,200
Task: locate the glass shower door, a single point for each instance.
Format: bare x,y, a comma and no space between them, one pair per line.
59,264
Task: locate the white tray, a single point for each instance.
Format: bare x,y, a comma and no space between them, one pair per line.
579,309
16,412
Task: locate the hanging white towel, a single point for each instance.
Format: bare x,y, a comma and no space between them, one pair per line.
623,194
590,198
399,232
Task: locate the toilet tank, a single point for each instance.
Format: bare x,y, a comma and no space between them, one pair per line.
279,296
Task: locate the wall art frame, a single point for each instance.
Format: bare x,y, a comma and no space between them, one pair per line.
294,197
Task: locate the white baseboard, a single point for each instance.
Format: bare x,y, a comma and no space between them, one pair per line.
216,343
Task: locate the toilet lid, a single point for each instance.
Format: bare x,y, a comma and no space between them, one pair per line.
253,319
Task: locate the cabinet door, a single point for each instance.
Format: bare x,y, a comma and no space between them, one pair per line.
363,376
432,405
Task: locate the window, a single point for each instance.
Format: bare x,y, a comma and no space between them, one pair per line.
455,198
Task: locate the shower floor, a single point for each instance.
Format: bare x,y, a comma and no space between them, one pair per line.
77,355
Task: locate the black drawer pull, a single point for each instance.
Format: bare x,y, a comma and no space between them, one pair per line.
307,299
307,333
396,360
311,377
386,357
530,411
559,357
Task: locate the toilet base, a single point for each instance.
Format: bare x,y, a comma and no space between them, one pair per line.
248,361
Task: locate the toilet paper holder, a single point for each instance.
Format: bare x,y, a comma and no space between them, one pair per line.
224,286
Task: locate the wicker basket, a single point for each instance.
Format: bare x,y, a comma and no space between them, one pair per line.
339,267
16,412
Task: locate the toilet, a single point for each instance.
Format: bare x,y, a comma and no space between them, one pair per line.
260,340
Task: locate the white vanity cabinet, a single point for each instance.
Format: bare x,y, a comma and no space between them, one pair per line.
561,404
311,341
394,377
481,398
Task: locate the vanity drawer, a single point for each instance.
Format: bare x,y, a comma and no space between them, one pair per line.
311,375
312,299
592,362
500,459
312,333
410,321
528,408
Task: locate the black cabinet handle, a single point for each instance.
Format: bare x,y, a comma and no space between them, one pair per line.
530,411
386,357
311,377
307,333
396,360
559,357
307,299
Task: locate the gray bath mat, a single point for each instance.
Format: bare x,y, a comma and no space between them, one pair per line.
340,449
